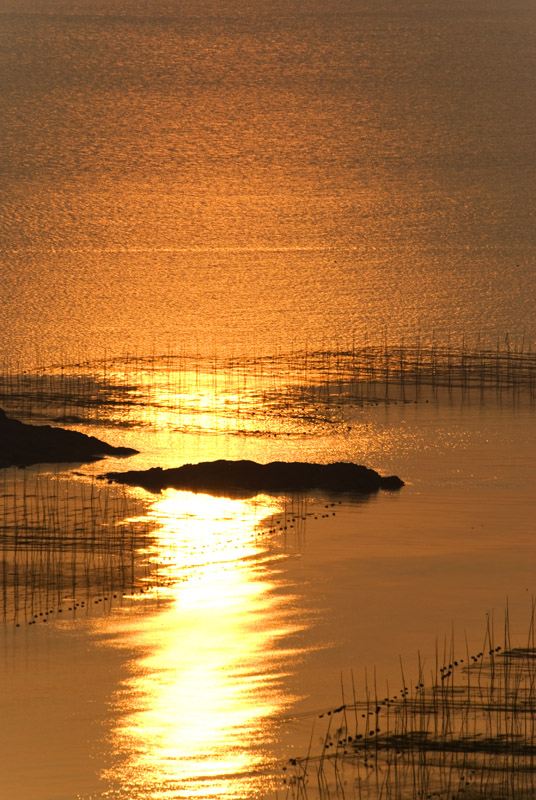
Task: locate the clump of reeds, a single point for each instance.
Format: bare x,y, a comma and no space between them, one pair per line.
466,732
240,393
64,543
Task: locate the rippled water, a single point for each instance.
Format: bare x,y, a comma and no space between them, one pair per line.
252,175
346,191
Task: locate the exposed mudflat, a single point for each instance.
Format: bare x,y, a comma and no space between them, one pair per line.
223,476
22,445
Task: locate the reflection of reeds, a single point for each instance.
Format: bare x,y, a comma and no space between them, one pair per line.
298,385
63,544
469,732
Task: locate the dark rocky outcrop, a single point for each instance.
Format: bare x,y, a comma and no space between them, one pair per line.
22,445
249,477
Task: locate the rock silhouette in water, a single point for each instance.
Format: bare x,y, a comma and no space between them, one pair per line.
222,477
22,445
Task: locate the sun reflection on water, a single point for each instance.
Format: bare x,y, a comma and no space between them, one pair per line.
199,709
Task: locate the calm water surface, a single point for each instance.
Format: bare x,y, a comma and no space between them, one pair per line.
254,610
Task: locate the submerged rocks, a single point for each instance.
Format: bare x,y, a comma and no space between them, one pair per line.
22,445
223,477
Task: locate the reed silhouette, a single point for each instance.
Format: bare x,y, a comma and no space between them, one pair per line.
302,386
65,543
466,732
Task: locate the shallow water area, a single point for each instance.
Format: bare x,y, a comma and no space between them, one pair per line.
208,634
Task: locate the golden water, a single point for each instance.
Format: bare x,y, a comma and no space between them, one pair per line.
192,186
245,175
211,632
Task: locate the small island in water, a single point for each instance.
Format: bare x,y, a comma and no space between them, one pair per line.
224,477
22,445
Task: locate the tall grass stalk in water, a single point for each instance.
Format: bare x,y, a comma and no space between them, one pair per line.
466,734
136,389
64,542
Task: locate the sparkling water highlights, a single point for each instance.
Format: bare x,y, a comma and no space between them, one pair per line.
200,712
